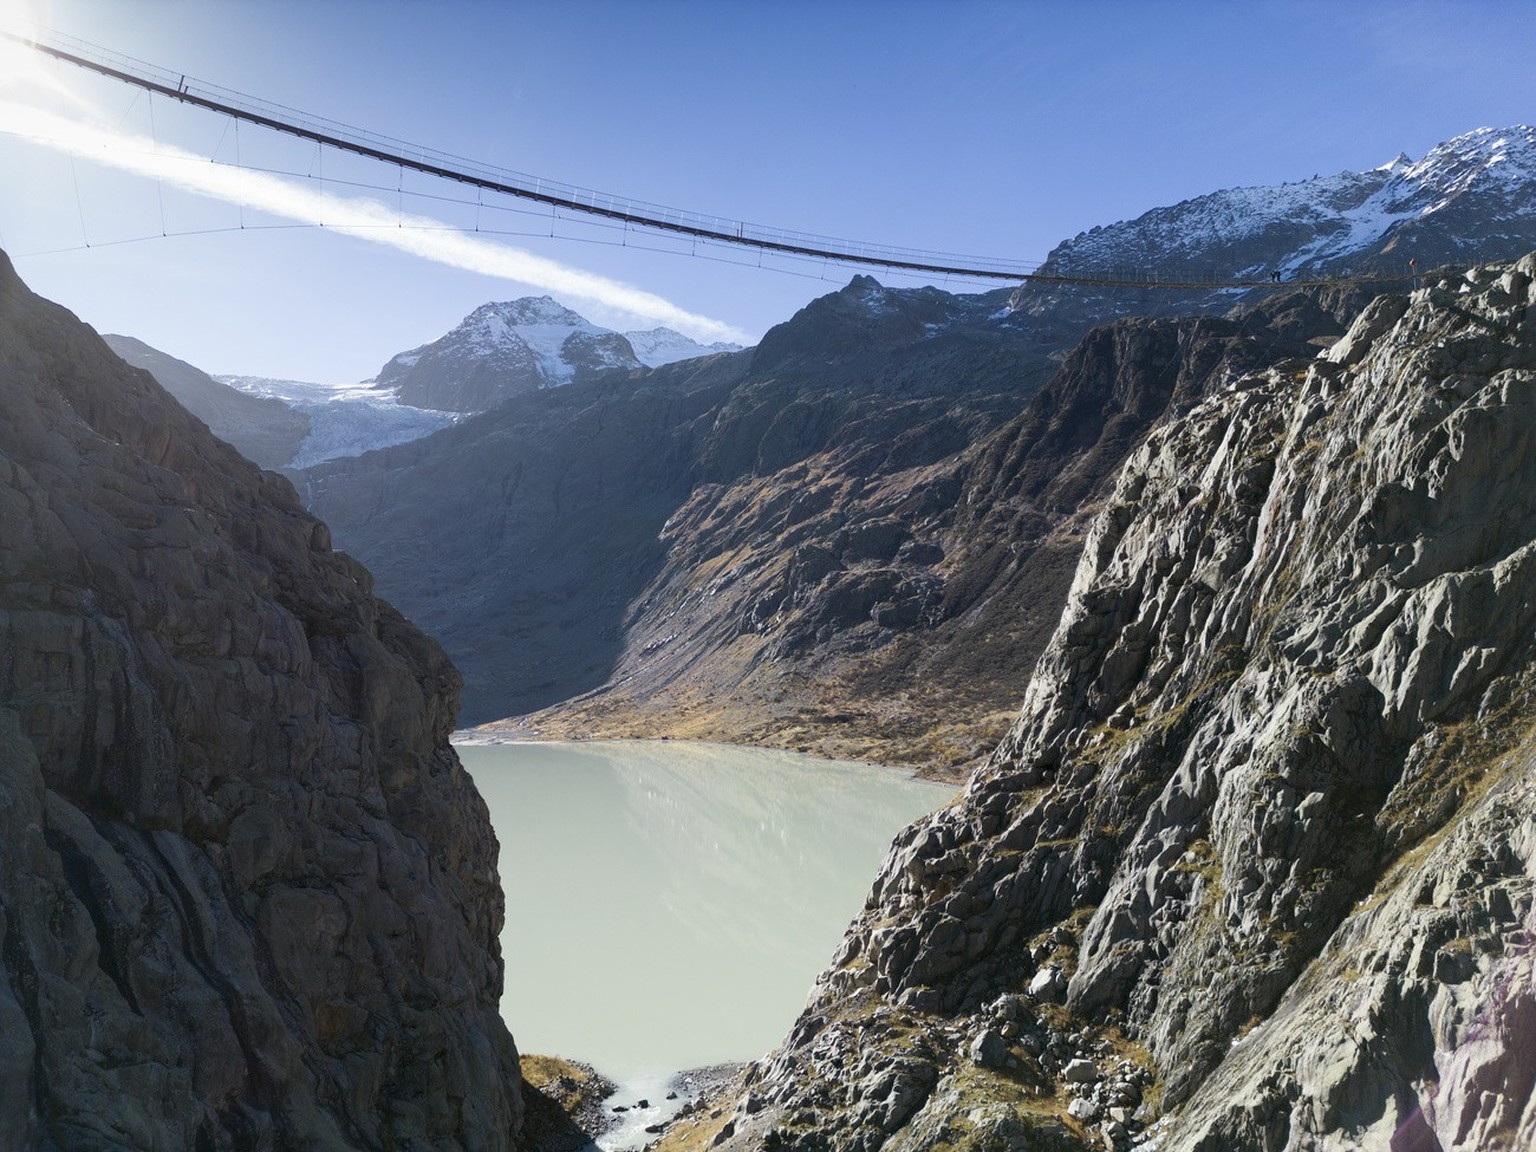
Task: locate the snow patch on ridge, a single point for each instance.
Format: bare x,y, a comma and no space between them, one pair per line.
657,346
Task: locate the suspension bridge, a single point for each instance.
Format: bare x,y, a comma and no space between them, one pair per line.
629,212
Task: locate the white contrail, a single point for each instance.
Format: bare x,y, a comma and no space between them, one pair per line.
355,216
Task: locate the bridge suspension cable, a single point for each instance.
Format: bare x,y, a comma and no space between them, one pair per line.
717,229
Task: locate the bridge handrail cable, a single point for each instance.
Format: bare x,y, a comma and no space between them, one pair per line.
640,213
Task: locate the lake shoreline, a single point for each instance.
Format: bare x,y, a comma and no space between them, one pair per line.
495,734
571,1106
690,1090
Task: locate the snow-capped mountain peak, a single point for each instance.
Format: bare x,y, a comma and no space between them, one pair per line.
527,310
562,340
1440,208
501,349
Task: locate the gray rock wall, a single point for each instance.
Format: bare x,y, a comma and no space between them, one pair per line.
248,896
266,431
1264,823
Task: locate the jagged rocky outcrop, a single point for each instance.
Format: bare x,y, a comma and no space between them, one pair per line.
1259,852
248,896
267,431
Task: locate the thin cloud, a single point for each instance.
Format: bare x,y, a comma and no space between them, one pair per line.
364,218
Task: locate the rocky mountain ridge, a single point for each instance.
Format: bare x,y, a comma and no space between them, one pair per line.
1437,209
248,895
1469,199
1257,859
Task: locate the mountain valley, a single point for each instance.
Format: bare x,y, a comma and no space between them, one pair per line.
855,538
1219,601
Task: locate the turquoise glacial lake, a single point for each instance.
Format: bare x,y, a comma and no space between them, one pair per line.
669,904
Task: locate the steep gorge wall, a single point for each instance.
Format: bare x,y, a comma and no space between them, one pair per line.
265,430
1259,852
248,895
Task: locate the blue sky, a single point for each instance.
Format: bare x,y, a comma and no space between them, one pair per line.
995,129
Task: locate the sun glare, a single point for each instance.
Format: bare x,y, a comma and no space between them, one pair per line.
24,70
360,217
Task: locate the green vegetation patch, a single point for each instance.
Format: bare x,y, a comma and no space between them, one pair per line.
562,1101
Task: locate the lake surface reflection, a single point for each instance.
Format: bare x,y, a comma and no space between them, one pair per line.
669,904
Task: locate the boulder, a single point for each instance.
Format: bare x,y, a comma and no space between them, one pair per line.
989,1049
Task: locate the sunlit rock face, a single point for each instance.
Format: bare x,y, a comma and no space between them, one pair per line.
248,896
1258,854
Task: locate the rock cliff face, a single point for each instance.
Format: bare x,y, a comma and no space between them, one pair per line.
1259,852
248,896
267,432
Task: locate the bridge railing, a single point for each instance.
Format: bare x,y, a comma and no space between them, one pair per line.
556,193
642,213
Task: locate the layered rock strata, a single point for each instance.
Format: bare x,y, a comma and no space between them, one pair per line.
1258,855
248,896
